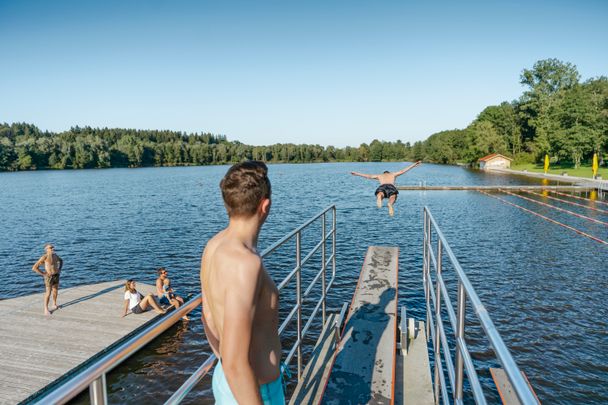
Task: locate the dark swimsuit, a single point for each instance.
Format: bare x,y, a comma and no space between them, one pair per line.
51,280
387,190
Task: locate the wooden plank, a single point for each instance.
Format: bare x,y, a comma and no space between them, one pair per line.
504,387
316,372
37,349
415,381
364,367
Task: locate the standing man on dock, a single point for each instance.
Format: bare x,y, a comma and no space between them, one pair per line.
52,266
240,300
387,187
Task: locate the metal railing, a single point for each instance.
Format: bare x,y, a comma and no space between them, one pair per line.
93,375
296,311
434,292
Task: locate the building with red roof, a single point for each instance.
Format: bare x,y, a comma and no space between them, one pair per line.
494,161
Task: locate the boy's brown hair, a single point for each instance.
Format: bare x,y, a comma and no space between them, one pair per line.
243,188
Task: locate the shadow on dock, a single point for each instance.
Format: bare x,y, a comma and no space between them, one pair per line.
90,296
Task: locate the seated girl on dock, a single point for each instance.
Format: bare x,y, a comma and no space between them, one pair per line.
137,303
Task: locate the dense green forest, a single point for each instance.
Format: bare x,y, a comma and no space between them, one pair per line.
25,147
557,114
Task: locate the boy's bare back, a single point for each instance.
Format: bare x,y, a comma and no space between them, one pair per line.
232,278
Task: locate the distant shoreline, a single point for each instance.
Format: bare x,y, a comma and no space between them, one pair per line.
44,169
553,177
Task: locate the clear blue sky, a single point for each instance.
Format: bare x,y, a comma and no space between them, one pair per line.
328,72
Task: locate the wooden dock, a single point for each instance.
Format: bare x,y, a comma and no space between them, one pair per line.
36,350
497,188
364,368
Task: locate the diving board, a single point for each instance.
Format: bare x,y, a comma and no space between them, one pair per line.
364,368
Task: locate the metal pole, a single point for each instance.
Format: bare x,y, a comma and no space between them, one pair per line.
323,269
437,322
424,243
428,275
299,298
459,334
333,245
97,391
425,279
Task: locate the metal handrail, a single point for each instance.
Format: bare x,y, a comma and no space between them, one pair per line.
93,375
296,348
434,292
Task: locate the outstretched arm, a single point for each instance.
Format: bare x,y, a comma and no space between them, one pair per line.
410,167
367,176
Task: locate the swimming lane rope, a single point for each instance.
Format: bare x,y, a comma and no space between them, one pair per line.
547,218
578,197
565,201
597,221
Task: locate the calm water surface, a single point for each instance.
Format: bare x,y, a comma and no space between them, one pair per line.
544,286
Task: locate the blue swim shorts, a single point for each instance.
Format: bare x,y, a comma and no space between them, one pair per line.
272,393
164,301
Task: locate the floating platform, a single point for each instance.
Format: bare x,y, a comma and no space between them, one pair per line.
498,188
36,350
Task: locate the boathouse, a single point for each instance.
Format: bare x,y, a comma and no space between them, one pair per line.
495,160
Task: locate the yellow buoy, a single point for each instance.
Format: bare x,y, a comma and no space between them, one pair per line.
595,165
546,163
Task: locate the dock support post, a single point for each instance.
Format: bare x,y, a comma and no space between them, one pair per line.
333,244
323,255
97,391
437,324
459,336
427,271
299,298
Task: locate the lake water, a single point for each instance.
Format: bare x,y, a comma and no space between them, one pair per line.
544,286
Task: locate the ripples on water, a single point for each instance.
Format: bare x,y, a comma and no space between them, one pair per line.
544,286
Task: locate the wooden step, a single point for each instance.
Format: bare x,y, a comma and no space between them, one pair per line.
314,377
504,387
414,385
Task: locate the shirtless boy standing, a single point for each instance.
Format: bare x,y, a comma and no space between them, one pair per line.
387,187
240,300
52,267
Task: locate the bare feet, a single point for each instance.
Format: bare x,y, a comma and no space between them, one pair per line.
185,318
160,312
54,308
379,200
391,210
47,312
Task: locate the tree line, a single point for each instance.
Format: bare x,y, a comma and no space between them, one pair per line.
557,114
25,147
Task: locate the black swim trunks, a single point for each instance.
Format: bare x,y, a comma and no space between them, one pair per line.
387,190
51,280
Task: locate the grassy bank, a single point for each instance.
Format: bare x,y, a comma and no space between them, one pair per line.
582,171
